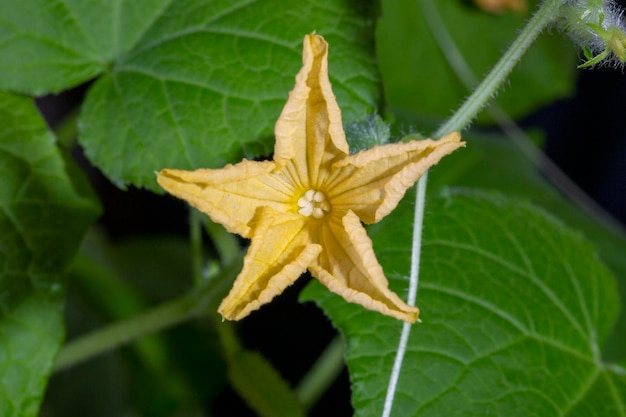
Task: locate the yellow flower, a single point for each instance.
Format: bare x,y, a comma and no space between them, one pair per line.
303,210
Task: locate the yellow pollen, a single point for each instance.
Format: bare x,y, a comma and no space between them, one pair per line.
313,203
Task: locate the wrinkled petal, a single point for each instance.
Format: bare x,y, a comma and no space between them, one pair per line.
309,132
279,253
232,195
349,268
372,182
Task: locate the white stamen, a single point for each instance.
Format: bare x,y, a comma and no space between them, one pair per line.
313,203
318,197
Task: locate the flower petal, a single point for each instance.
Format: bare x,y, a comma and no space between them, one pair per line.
348,267
309,131
279,253
232,195
372,182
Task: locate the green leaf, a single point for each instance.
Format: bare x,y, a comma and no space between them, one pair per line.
515,309
48,46
205,85
43,215
411,58
185,84
494,162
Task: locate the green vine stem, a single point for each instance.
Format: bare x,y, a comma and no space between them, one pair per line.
553,173
500,73
198,302
119,334
485,91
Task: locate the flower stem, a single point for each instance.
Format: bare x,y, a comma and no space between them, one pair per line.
460,120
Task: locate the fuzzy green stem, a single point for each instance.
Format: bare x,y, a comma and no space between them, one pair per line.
500,73
485,91
548,168
420,199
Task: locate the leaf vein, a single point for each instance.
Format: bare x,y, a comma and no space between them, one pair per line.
538,283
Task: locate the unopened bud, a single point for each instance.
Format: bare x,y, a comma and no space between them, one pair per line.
598,27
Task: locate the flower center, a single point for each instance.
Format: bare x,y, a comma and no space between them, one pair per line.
313,203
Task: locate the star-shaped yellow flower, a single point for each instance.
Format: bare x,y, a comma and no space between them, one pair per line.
304,209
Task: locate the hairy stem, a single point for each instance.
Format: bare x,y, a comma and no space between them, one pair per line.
460,120
413,284
499,74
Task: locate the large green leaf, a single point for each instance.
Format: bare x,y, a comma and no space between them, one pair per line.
186,83
43,215
51,45
205,85
494,162
515,310
411,57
